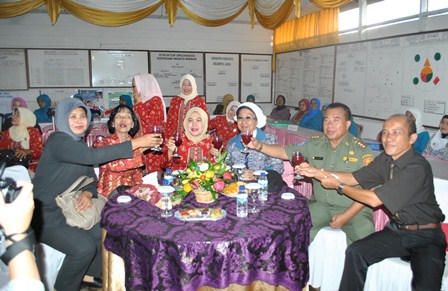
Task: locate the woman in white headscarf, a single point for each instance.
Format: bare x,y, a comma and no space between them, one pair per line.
150,109
438,145
179,105
225,125
423,135
249,117
23,137
196,143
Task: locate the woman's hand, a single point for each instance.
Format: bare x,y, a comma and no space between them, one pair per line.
15,217
253,144
214,152
137,98
84,201
171,146
147,141
22,153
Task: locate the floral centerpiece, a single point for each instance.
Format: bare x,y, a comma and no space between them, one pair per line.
202,177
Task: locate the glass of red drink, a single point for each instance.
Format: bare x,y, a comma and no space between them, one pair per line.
297,159
177,141
246,136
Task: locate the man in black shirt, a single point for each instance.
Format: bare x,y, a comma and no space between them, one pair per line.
402,181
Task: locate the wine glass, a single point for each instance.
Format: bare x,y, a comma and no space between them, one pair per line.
246,136
156,129
177,141
297,159
217,142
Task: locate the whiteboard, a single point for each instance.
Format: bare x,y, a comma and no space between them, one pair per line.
305,74
382,77
13,69
117,68
169,67
221,75
256,77
58,68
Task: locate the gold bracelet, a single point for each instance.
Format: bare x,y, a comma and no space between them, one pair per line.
261,147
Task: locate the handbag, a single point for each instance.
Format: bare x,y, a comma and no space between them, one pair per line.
67,202
9,157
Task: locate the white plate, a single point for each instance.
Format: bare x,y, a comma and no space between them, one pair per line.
288,196
258,172
239,166
203,218
124,199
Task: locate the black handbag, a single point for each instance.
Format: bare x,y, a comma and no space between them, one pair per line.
9,157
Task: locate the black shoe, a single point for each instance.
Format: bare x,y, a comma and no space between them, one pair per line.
97,283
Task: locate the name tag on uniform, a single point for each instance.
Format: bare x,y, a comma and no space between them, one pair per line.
318,158
293,127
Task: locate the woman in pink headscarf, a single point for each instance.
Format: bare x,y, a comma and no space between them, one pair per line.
7,118
150,108
304,104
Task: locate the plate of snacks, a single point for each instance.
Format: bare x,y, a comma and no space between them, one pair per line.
200,214
231,190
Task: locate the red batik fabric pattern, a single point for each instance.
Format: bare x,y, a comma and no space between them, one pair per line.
223,129
188,150
151,113
124,172
36,145
178,109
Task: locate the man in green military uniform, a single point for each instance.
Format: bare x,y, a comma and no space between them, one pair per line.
337,150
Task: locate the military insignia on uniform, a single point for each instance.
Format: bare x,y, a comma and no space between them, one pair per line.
345,158
354,160
315,136
351,153
367,159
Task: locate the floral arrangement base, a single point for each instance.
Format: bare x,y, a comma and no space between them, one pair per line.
203,196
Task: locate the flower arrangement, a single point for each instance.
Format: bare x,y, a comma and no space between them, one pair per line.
204,176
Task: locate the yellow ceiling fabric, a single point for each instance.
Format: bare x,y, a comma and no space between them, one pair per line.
330,3
207,22
171,11
275,20
53,9
251,5
107,18
11,9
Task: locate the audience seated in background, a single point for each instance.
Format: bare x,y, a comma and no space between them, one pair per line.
337,149
225,126
43,114
280,112
438,145
423,135
123,124
64,159
124,100
23,137
222,108
303,108
250,118
179,105
15,220
250,98
313,118
150,109
196,143
7,117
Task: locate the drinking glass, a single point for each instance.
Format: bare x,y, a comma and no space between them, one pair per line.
252,190
217,142
156,129
166,192
246,136
177,142
297,159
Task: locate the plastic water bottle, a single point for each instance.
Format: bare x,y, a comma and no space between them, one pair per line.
263,194
241,202
166,197
169,177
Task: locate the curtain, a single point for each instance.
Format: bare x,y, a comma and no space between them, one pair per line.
330,3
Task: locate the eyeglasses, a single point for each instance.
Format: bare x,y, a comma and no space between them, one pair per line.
247,118
123,117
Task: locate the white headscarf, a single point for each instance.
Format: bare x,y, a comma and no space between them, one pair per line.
261,118
418,119
194,88
437,142
19,133
229,106
149,88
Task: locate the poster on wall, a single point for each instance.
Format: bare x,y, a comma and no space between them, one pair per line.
222,76
117,68
58,68
169,67
13,72
256,77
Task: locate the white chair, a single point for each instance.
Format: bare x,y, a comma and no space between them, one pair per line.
49,262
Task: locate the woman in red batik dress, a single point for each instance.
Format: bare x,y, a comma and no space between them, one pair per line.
123,125
179,105
196,143
225,125
150,109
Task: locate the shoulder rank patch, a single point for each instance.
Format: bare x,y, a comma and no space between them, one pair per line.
359,142
367,159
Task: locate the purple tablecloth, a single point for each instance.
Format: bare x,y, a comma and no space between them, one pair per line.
169,254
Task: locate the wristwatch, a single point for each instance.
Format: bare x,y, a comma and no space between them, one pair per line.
340,188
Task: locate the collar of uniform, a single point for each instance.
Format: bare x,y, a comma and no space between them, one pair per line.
344,143
405,159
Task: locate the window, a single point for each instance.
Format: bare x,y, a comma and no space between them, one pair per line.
391,9
437,5
349,19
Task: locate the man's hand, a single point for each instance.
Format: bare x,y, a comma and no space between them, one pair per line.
339,220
